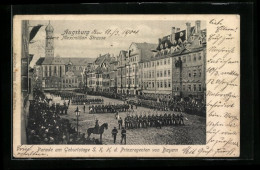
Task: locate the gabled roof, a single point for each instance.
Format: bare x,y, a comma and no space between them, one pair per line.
146,48
78,61
65,61
40,61
101,59
47,61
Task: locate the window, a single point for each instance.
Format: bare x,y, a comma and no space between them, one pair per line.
194,73
158,63
164,61
153,64
72,80
189,74
165,73
165,83
189,87
169,73
66,80
50,71
194,87
177,88
169,61
199,87
184,59
63,81
169,83
161,74
189,58
161,62
199,73
199,56
161,84
158,84
152,84
194,57
183,87
158,74
152,74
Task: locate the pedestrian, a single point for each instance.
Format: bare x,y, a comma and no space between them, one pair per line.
114,133
123,135
120,122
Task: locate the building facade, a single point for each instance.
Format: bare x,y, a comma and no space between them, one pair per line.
177,68
57,73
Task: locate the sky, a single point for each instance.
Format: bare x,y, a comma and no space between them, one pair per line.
146,31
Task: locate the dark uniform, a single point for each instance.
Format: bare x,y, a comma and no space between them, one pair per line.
120,122
96,127
123,135
114,133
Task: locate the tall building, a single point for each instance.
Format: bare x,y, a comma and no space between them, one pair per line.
59,73
98,74
137,52
177,67
121,72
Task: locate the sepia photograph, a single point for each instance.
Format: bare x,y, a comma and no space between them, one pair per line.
126,86
103,82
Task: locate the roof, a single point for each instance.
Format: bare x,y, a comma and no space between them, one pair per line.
146,50
179,38
40,61
78,61
47,61
101,59
62,61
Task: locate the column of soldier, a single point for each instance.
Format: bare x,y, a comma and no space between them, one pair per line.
163,106
45,126
153,120
81,101
109,108
64,95
190,107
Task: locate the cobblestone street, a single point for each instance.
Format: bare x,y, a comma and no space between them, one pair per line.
193,132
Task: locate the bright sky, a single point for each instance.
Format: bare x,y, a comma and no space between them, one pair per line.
149,31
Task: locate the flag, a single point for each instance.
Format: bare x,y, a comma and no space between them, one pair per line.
34,31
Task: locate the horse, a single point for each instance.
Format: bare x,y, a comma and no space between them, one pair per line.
100,131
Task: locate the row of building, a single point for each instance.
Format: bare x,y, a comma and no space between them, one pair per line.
174,67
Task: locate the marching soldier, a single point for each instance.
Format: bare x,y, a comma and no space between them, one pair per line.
123,135
114,133
120,122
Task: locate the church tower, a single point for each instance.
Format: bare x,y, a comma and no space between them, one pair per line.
49,45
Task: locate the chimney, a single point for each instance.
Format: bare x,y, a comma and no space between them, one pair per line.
197,23
173,30
178,29
188,29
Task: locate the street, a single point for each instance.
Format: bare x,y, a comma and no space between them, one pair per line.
193,132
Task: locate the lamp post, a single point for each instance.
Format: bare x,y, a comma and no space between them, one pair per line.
77,112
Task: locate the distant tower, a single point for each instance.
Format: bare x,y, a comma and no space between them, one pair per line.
49,46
